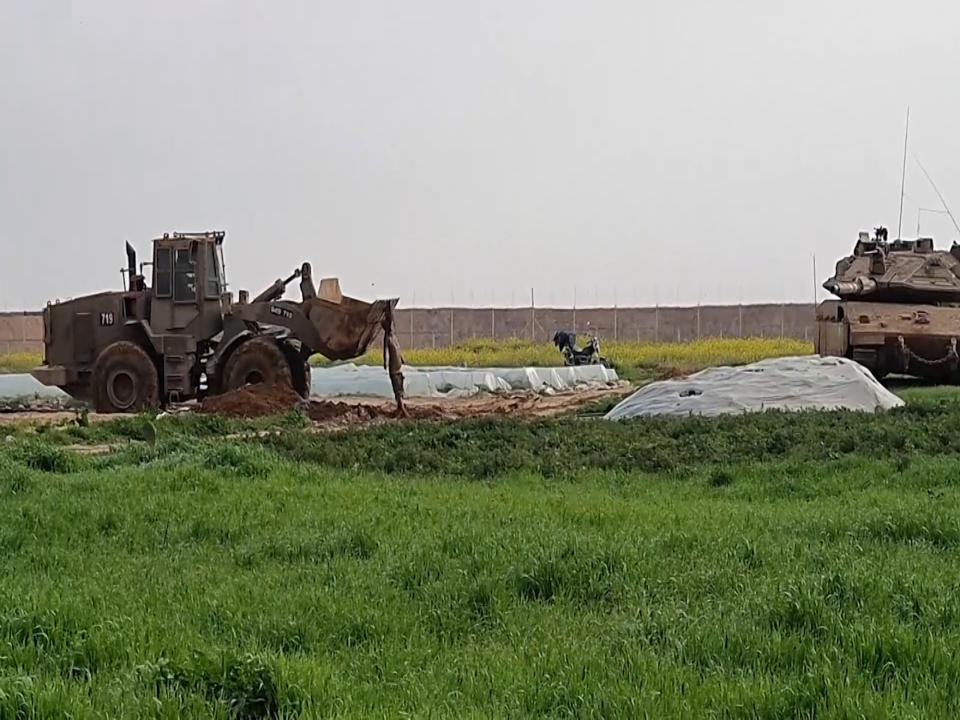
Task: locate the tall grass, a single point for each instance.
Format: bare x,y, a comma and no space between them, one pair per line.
767,566
19,362
685,356
229,580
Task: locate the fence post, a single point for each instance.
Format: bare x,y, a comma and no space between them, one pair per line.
451,327
533,317
698,320
656,323
782,311
740,321
614,322
493,323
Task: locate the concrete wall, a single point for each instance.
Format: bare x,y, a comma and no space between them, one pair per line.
425,327
21,332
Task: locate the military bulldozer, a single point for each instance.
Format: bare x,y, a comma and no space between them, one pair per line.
897,308
182,337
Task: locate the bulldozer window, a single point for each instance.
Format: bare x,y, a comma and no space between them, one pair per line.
213,279
163,281
184,277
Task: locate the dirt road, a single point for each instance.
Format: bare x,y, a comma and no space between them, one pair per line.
360,411
347,412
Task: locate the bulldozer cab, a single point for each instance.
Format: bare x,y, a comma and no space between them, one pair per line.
189,286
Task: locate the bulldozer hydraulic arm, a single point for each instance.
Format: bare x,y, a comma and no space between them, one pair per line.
393,360
276,290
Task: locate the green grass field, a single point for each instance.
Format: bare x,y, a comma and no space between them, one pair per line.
773,566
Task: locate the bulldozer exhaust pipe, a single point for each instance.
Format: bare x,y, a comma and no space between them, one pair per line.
134,279
131,260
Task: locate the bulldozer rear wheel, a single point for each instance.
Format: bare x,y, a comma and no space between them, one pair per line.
257,360
124,379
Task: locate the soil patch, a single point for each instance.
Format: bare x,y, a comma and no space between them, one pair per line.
326,413
350,412
252,401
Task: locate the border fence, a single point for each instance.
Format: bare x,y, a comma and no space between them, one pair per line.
438,327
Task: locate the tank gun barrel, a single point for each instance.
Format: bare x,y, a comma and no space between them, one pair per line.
845,288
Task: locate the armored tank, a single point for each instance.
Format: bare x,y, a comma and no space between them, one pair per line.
897,308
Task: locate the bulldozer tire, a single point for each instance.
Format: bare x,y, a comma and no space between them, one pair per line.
257,360
124,379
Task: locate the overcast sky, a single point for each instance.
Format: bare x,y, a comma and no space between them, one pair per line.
431,149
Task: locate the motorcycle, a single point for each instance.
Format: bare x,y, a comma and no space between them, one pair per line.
589,355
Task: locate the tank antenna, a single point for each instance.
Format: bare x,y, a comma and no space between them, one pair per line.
937,191
815,284
903,175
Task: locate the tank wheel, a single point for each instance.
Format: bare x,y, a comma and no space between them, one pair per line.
257,360
124,379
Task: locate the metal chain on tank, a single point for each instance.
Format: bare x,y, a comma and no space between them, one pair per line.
951,355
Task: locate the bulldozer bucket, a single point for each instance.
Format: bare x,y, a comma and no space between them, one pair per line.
345,329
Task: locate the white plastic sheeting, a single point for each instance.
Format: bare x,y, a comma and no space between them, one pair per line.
364,380
791,383
372,381
21,386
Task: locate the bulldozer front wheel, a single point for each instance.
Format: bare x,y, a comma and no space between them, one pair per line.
257,360
124,379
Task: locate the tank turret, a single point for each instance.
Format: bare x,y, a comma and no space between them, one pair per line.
898,271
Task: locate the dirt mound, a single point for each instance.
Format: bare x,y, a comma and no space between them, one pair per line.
353,412
358,412
252,401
